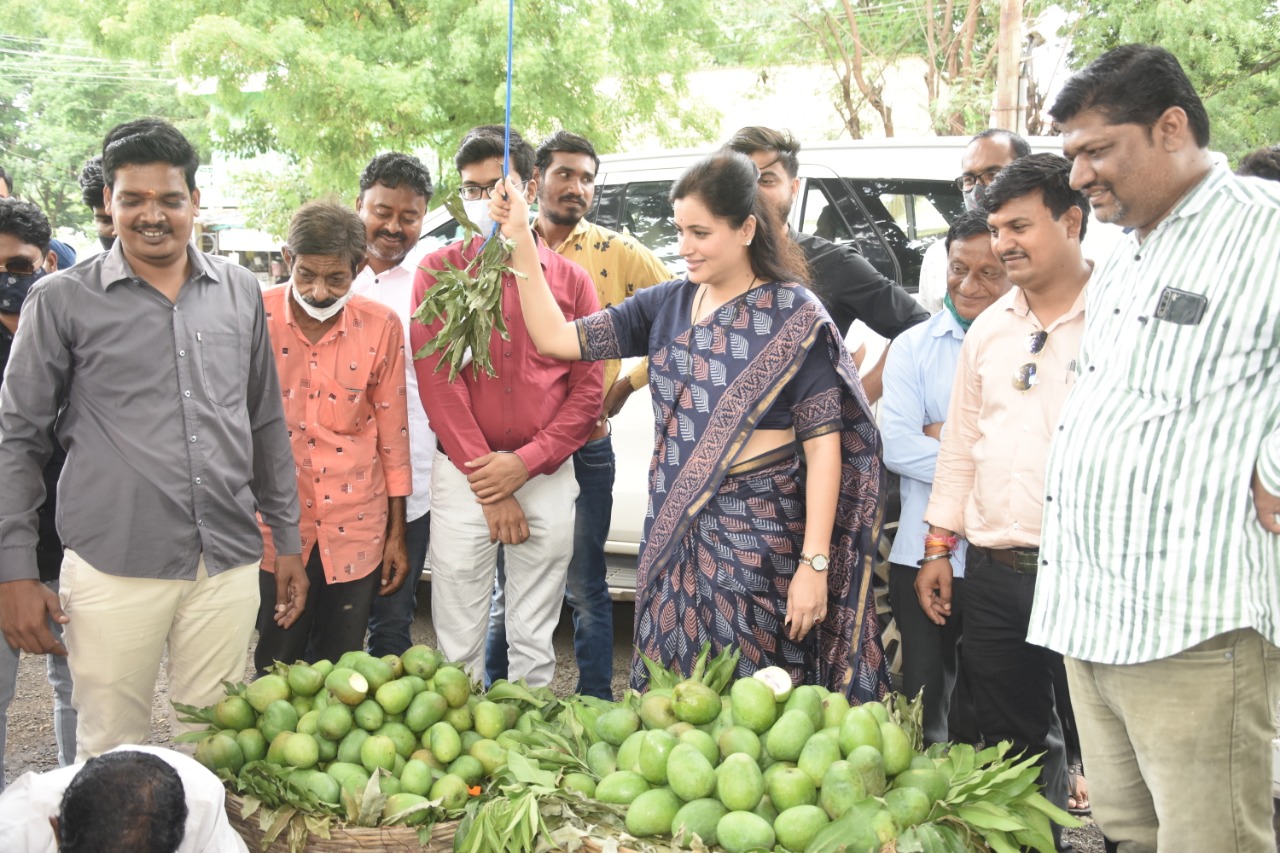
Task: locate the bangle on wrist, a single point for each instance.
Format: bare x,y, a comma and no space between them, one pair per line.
929,558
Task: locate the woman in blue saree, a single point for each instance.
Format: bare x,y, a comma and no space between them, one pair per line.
764,486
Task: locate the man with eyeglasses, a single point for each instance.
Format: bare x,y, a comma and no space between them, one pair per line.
565,166
986,154
1016,367
502,477
25,258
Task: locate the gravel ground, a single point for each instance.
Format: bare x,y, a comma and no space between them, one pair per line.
30,744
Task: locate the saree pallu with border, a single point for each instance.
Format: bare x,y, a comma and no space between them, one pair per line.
721,541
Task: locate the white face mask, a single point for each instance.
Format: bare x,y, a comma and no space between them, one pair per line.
321,314
478,212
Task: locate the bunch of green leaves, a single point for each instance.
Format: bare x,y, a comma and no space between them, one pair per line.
469,301
528,812
993,803
716,674
909,715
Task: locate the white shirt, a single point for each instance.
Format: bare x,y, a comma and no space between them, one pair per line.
394,288
27,805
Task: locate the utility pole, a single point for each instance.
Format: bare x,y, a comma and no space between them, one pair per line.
1006,113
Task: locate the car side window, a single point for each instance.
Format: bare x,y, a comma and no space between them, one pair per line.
647,215
442,235
911,215
606,210
859,224
818,215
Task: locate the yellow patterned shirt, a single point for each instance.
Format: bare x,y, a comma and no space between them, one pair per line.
619,265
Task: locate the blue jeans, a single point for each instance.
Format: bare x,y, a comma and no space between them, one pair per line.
391,616
586,590
64,716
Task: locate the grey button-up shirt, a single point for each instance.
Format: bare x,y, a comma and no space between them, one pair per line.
170,414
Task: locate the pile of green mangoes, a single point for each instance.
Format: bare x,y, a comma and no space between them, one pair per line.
410,722
765,765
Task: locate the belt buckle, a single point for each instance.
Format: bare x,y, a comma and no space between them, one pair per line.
1027,561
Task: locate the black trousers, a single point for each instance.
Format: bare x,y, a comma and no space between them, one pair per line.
1012,680
931,659
333,622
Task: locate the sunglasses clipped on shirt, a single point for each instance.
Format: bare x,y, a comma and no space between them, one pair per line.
1025,378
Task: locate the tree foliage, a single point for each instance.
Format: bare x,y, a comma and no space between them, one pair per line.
862,41
58,101
332,82
1230,50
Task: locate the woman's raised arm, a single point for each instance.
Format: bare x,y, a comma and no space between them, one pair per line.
551,333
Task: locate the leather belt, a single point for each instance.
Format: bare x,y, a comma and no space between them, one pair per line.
1024,561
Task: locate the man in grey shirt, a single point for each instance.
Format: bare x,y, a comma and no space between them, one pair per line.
153,365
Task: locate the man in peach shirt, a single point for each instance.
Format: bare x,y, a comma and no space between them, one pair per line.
1017,364
341,363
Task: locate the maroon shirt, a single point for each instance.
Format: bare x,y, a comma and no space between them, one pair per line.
539,408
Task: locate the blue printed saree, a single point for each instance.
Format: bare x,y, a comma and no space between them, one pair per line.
721,540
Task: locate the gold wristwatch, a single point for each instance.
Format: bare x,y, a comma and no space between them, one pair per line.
818,562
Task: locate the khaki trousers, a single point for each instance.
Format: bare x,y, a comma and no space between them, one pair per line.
464,561
119,628
1178,751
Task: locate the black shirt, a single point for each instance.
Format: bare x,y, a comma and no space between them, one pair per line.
852,289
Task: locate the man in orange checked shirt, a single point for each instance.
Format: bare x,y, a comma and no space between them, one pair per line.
341,363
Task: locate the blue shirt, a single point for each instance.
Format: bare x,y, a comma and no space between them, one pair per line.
918,375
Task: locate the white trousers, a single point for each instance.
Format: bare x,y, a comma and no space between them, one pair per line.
118,629
463,563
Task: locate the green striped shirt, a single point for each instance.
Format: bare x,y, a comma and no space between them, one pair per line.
1150,541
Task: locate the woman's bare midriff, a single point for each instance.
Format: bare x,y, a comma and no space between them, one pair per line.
764,440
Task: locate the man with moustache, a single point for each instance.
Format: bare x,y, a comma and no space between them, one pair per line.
565,166
918,378
394,192
1160,563
341,363
1016,367
153,362
986,154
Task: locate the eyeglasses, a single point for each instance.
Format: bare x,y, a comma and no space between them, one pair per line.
967,182
471,192
1025,378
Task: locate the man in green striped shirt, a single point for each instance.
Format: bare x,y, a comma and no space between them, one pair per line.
1160,575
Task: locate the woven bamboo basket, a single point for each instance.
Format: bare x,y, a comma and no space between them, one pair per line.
398,839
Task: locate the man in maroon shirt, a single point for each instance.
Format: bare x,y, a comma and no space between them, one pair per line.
501,477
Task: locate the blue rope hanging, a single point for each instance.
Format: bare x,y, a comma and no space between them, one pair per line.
506,133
